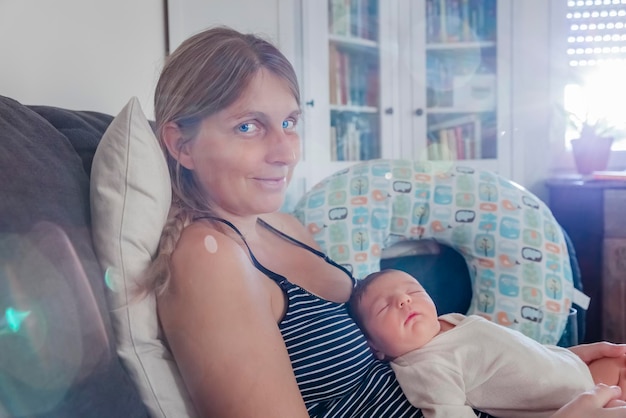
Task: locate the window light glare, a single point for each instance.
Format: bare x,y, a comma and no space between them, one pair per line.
596,48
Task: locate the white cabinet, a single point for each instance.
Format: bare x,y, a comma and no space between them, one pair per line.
347,84
419,79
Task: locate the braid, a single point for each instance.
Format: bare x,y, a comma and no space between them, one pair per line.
159,271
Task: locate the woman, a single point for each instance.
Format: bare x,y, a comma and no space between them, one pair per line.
254,314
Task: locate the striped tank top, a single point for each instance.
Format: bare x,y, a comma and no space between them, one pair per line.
337,373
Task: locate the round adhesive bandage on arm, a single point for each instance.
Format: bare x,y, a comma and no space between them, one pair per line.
514,248
210,243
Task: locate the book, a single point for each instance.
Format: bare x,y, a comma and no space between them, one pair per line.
609,175
333,74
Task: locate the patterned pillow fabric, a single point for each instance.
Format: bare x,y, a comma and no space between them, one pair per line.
515,250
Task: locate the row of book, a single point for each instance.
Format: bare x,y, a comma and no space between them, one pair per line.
357,18
353,136
455,139
460,20
353,78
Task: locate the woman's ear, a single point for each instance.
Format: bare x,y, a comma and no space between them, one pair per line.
179,150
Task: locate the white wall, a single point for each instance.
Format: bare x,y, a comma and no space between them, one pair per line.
187,17
275,20
81,54
531,102
95,55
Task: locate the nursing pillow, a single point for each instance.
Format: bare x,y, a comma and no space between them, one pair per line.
514,248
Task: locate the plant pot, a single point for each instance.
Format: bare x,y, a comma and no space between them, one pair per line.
591,154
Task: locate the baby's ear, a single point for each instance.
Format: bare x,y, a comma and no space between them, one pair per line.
379,354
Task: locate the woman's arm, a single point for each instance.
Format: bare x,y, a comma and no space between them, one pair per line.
599,402
594,351
218,321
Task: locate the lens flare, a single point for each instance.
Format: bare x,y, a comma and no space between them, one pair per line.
12,320
108,279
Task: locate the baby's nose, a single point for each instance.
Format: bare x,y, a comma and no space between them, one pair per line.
404,300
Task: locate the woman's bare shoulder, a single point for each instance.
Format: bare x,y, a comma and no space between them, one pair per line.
203,252
290,225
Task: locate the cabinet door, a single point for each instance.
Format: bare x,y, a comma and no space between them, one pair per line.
346,84
460,62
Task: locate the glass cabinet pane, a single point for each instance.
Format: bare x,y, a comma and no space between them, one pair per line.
354,79
461,79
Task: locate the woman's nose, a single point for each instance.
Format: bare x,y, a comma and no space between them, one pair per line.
284,148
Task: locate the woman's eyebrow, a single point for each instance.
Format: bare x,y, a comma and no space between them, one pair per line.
246,115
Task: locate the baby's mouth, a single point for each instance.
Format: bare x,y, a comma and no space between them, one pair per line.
410,317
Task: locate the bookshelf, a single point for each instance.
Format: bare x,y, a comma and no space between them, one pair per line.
354,78
424,79
463,107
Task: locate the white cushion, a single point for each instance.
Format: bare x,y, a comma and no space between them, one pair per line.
130,199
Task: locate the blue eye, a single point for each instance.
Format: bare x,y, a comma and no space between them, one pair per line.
247,127
288,124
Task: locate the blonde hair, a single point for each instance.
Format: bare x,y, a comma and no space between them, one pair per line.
204,75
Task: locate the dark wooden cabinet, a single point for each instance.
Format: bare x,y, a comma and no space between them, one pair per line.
593,213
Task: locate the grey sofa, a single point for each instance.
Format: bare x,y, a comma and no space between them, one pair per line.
57,356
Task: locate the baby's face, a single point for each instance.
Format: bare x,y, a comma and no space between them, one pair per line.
610,371
398,314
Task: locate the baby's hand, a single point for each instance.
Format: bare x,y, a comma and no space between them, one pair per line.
600,402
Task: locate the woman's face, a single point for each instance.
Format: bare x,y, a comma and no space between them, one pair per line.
398,314
244,155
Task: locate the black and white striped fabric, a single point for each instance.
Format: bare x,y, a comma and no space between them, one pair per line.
336,371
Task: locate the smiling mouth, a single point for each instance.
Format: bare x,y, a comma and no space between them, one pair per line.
272,182
272,179
275,179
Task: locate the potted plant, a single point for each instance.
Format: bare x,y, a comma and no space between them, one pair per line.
592,147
